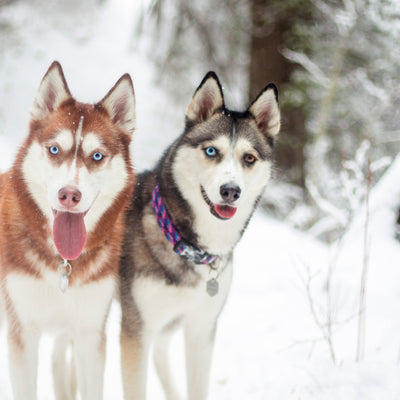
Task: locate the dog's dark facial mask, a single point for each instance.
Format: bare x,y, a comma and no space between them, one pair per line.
227,150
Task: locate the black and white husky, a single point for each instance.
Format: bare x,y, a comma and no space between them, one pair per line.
186,217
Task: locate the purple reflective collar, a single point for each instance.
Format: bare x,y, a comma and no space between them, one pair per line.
181,247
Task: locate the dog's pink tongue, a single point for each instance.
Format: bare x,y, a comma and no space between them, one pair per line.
225,211
69,234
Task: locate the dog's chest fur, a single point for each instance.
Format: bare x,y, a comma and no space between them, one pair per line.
41,304
161,304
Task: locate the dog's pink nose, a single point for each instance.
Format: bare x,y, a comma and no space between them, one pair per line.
69,196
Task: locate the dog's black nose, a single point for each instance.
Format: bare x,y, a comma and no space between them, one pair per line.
230,192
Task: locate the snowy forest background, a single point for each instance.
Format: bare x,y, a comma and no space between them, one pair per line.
314,311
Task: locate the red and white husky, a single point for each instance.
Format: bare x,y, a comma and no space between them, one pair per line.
61,225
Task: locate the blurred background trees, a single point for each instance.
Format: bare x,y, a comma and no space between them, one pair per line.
335,63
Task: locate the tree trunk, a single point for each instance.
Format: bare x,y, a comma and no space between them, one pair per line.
270,26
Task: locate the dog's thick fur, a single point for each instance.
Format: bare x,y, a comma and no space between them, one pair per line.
161,291
74,162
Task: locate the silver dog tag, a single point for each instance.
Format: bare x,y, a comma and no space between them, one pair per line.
64,281
64,269
212,287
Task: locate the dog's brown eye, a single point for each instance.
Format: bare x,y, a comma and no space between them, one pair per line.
249,159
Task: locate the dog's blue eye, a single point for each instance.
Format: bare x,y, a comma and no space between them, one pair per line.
211,151
97,156
54,150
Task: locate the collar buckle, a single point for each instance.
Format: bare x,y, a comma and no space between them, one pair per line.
192,253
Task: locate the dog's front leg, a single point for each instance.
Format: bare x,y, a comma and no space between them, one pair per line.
199,341
134,363
89,349
64,374
23,344
162,364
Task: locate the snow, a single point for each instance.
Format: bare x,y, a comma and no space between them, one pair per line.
272,335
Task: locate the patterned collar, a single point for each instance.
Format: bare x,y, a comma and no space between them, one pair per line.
171,231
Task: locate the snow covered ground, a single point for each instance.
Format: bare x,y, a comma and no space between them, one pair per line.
272,336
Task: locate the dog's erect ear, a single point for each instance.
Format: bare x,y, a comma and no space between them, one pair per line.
265,109
53,91
120,104
206,100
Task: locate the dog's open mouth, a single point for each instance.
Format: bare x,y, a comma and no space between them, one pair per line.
218,210
69,233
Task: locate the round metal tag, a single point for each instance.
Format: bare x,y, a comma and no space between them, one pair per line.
212,287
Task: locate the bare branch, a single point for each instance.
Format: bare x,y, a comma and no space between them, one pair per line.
364,274
308,65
